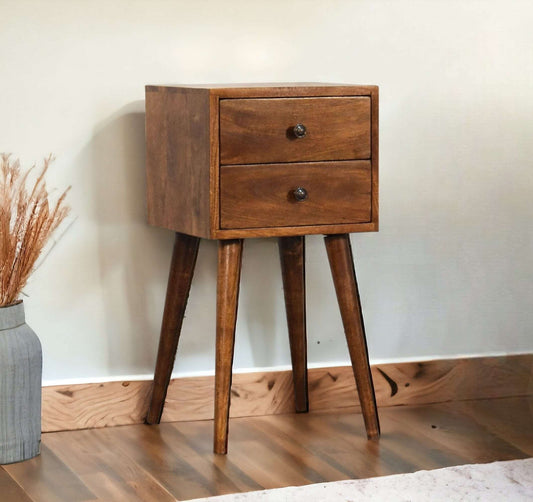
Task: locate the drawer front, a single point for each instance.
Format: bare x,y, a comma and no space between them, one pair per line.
254,131
255,196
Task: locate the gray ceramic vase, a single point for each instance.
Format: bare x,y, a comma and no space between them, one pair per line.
20,387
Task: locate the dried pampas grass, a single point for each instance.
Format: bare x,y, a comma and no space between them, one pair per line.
27,220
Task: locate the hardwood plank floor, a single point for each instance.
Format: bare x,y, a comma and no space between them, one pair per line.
175,460
10,490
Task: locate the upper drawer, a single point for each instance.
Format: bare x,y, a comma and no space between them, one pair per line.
256,131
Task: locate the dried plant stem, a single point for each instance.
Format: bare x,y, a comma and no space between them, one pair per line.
26,224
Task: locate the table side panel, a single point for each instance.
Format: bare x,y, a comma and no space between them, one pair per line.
178,160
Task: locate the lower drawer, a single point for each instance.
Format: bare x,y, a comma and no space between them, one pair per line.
266,195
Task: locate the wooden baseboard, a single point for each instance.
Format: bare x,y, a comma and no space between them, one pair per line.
86,406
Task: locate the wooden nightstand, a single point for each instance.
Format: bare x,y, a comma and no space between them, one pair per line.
282,160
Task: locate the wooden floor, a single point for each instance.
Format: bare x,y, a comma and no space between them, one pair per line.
162,463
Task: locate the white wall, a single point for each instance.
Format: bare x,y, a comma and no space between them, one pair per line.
450,271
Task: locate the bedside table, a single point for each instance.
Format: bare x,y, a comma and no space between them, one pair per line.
273,160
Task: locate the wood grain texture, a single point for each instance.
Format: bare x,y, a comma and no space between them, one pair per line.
46,477
180,277
292,258
167,451
274,89
183,150
10,491
178,160
236,233
175,461
214,169
104,459
342,269
291,90
70,407
229,274
256,196
375,157
260,131
84,406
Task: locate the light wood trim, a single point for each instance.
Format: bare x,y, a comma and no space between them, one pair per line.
85,406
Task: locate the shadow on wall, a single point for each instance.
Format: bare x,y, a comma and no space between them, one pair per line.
133,257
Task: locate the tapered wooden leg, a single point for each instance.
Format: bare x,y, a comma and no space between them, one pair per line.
179,285
229,272
292,257
342,269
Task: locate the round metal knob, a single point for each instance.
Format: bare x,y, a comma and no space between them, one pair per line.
299,130
300,194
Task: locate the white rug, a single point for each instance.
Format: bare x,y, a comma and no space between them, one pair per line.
499,482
